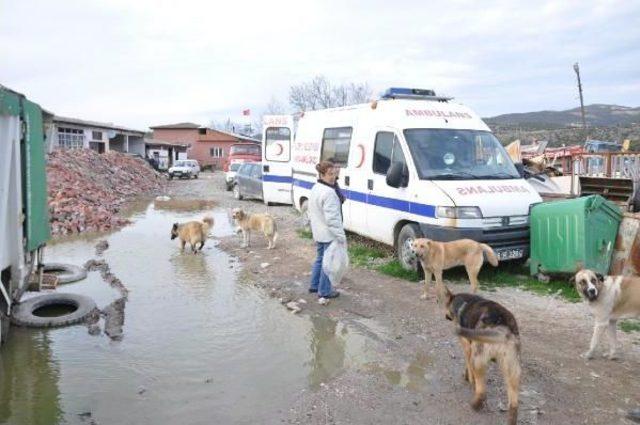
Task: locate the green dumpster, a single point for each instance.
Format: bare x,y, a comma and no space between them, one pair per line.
573,234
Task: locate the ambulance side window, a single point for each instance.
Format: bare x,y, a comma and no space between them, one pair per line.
386,151
335,145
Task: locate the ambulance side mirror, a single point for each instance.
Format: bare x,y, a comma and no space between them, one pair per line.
520,168
398,175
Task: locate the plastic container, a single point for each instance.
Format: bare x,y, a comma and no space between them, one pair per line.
569,235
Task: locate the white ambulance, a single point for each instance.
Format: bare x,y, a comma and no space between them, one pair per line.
415,164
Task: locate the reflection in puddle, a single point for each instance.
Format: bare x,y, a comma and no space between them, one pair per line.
29,392
196,345
179,204
414,377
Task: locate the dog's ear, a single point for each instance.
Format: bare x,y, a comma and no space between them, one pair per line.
600,277
572,279
175,226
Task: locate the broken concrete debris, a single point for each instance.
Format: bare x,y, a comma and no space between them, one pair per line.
87,189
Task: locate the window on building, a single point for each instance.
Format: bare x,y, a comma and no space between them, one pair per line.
386,151
96,135
202,131
216,152
335,145
70,138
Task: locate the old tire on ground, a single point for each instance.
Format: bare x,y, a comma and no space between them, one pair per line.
23,313
406,258
66,273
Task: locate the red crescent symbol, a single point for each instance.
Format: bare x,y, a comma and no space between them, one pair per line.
361,156
281,149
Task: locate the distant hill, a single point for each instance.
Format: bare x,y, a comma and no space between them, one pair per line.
597,115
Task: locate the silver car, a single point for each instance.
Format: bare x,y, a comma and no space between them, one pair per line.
184,168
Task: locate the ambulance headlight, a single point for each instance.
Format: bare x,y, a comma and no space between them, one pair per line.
459,212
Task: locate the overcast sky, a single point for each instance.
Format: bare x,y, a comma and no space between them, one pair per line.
148,62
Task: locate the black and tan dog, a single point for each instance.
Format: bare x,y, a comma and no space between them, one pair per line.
193,232
487,332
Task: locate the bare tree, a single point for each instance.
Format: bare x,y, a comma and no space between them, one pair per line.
319,94
359,93
231,126
274,107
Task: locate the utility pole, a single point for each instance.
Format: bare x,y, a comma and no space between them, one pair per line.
576,68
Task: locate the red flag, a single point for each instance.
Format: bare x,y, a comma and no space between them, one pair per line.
246,112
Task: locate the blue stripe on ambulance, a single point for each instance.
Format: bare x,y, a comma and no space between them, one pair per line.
380,201
276,179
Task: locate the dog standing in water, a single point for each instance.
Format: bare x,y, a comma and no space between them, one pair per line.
193,232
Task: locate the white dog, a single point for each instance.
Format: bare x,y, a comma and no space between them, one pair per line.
610,298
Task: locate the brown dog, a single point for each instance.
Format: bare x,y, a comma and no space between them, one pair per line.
193,232
487,332
436,257
610,298
259,222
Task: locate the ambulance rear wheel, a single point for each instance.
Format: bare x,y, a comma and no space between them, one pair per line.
406,257
304,212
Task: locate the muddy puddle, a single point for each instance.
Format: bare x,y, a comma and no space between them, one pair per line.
197,346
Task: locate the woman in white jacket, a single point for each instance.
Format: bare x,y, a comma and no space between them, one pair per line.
325,215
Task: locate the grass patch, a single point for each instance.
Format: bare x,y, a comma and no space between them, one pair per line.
630,325
362,256
515,275
304,233
393,268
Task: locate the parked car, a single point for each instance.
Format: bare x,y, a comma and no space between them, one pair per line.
185,168
248,181
230,175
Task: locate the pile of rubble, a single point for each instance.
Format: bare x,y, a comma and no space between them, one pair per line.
87,189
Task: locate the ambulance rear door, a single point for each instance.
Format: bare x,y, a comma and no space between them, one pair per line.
277,179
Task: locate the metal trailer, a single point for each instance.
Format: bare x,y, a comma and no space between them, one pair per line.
24,220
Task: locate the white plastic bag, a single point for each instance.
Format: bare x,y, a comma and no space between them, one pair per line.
335,261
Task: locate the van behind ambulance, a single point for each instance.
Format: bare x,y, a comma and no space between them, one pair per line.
414,164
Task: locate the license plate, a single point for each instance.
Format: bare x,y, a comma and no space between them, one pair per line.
510,254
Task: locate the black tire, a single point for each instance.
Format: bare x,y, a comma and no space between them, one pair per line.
23,313
4,328
236,192
406,258
170,176
195,177
66,273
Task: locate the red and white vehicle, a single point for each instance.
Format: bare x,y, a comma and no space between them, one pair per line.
239,153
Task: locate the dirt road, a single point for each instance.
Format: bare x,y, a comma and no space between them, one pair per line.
412,371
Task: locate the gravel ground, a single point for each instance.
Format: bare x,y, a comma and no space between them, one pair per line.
412,370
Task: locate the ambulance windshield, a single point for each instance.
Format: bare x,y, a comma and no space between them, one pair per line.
443,154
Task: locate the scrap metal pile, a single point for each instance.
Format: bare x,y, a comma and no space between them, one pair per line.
87,189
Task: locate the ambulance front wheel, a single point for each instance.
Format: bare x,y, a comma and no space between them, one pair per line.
406,257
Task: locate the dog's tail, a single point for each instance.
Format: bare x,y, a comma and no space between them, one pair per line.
496,335
491,256
275,233
208,224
